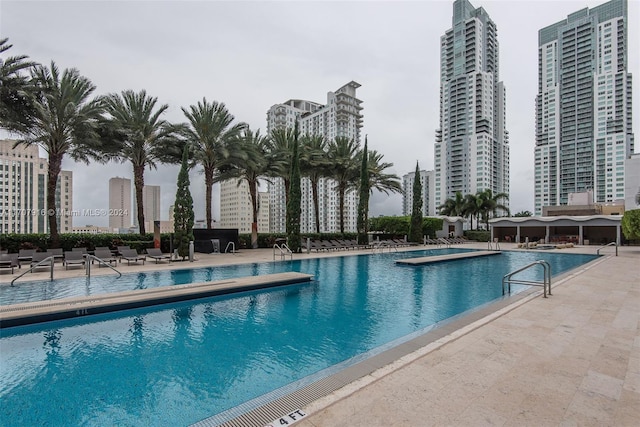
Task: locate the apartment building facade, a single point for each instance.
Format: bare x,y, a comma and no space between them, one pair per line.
341,116
236,210
472,142
428,193
23,191
583,107
119,203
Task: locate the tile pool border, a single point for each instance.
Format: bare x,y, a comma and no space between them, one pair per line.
323,392
38,312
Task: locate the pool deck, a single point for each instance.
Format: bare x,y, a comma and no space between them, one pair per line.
37,312
572,359
442,258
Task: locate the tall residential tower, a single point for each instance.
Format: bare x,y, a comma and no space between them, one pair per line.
583,106
472,143
340,116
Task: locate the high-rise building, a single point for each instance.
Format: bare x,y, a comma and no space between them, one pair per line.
236,210
23,191
428,192
340,116
119,203
150,206
472,143
583,106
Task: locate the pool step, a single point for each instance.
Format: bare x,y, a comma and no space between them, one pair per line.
448,257
37,312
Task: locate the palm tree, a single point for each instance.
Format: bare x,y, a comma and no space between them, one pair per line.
146,136
251,164
209,132
314,163
491,204
17,91
453,207
471,207
378,180
343,158
281,148
64,121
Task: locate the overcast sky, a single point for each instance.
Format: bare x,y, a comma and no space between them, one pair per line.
251,55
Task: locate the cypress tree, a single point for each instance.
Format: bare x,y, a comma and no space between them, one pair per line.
183,209
363,202
415,228
294,199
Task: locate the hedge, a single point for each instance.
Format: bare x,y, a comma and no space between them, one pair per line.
631,224
478,235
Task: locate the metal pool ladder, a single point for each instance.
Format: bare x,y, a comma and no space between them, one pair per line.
608,244
284,251
546,283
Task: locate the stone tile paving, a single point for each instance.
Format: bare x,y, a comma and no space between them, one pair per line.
570,360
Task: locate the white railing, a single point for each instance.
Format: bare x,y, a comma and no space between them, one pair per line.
608,244
233,248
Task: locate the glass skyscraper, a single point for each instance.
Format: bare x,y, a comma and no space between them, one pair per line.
583,106
472,143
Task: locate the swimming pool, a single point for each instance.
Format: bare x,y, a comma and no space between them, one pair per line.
177,364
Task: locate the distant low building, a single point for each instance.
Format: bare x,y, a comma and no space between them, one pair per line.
581,204
91,229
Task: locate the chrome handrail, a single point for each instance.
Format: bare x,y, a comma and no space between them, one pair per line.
100,261
49,258
608,244
233,248
284,250
546,284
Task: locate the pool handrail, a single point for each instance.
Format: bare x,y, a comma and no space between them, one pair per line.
608,244
284,250
100,261
546,284
49,259
233,248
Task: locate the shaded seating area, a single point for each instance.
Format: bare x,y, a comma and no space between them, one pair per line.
73,258
157,255
131,255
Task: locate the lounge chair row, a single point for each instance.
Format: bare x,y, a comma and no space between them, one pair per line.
446,241
344,244
78,256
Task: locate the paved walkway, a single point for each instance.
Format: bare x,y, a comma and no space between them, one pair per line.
570,360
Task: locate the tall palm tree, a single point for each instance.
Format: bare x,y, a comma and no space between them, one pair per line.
251,166
453,207
343,158
471,207
210,133
17,90
378,179
491,204
65,121
314,164
146,137
281,142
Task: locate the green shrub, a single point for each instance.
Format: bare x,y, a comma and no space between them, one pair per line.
478,235
631,224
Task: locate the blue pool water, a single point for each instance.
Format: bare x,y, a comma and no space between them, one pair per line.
176,364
